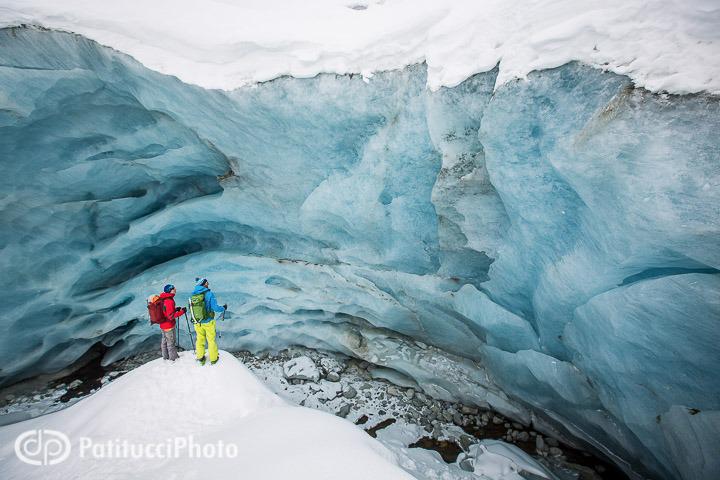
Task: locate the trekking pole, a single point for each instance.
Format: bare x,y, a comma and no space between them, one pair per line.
192,340
222,319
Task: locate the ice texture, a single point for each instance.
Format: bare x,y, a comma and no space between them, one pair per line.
548,248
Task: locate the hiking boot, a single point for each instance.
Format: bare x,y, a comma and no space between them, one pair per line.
213,362
201,361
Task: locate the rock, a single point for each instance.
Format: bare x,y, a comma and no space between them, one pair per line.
555,451
75,384
349,392
551,441
436,431
393,391
506,425
365,386
539,444
466,410
301,368
457,419
497,420
344,410
523,436
465,441
517,426
466,464
409,393
421,397
333,377
331,365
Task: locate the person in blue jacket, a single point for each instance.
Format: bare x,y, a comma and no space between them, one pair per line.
203,307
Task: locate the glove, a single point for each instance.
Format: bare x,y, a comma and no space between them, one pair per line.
177,309
183,309
225,307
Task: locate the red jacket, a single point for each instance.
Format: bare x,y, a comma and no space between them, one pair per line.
169,310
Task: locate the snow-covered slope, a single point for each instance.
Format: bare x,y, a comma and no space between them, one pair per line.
670,45
161,402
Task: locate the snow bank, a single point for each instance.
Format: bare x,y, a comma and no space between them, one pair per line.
223,402
662,45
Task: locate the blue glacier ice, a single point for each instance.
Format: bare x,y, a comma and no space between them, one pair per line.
550,249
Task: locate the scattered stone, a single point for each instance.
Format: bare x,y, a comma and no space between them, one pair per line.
539,444
466,464
517,426
75,384
349,392
551,441
393,391
457,419
409,393
469,410
365,386
523,436
465,441
333,377
506,425
330,365
497,420
555,451
301,368
344,410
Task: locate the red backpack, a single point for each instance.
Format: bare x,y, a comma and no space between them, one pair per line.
156,309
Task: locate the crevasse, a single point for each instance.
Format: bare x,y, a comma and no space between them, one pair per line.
550,249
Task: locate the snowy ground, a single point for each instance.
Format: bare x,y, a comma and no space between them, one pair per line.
430,439
180,420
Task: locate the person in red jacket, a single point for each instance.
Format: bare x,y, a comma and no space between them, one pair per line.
167,343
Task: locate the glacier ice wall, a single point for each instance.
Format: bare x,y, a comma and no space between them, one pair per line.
550,249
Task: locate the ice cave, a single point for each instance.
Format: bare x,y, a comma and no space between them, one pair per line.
547,246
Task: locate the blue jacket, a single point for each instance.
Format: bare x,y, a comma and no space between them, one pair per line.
210,302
